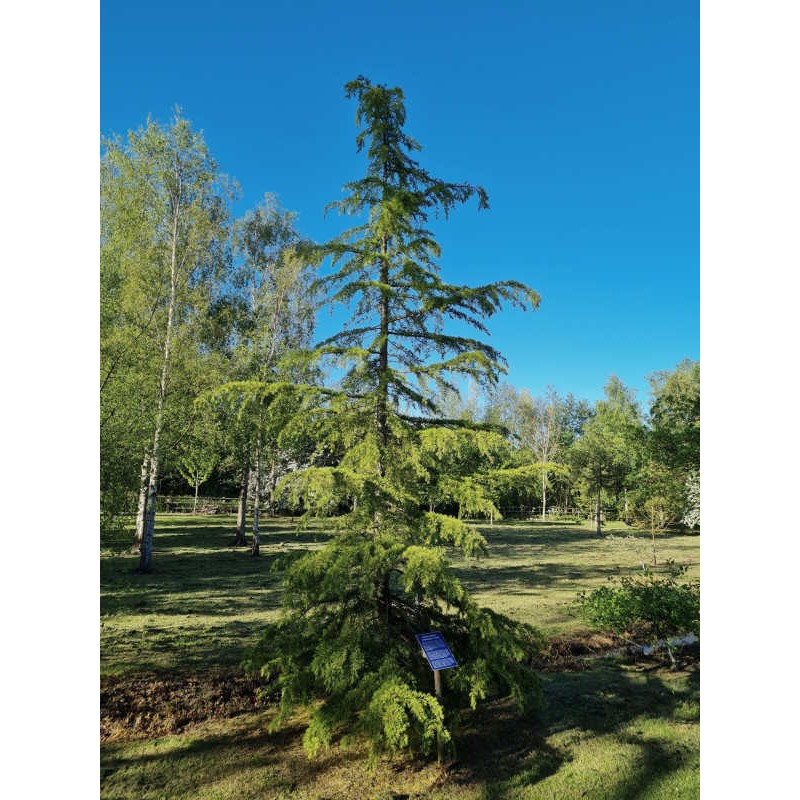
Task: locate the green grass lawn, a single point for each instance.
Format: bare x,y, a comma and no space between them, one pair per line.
613,731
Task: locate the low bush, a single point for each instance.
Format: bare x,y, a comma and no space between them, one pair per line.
647,606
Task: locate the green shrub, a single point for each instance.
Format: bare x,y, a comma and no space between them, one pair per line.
647,606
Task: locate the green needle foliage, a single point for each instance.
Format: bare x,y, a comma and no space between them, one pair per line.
346,643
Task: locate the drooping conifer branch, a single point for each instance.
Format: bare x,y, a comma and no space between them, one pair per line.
352,609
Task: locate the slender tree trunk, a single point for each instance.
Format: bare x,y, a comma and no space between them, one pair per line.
152,488
196,490
653,535
544,496
140,510
597,513
256,545
272,482
241,518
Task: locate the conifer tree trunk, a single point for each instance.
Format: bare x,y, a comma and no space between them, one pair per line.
241,517
383,409
152,489
383,365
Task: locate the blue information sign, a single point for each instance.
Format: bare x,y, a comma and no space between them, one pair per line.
436,650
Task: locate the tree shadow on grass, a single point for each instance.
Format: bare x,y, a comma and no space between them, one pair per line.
495,742
181,648
658,761
201,581
517,579
204,759
246,759
608,696
546,534
506,750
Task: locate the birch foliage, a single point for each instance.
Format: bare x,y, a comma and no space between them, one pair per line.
165,245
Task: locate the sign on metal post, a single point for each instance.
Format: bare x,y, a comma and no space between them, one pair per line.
439,657
436,651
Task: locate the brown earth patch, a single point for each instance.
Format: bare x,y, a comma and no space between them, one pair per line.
160,703
567,652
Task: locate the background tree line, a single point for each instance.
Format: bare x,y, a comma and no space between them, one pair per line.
195,303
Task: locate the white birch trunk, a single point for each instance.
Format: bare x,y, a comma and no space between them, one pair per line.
257,502
544,496
152,489
196,490
140,509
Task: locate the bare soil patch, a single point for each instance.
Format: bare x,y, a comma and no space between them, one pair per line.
160,703
566,652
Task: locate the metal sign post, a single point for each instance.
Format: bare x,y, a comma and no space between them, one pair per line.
439,657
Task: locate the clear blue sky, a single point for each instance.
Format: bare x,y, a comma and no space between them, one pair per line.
580,118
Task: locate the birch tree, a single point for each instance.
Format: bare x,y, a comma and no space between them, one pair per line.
199,456
275,277
540,431
169,207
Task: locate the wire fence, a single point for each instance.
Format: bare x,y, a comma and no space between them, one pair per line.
555,513
116,533
174,504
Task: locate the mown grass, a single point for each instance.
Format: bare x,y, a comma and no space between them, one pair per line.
204,601
535,569
614,731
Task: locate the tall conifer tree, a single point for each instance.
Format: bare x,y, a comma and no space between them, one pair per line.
353,608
